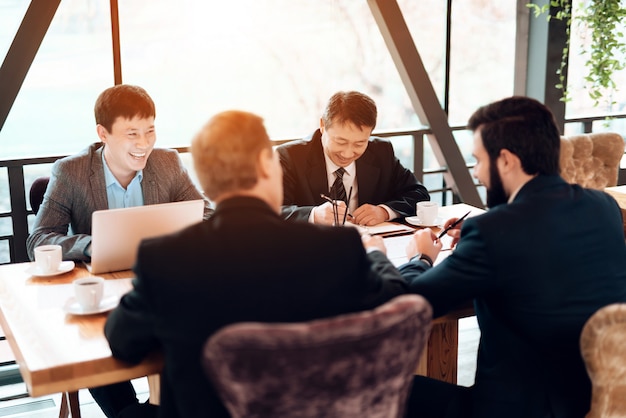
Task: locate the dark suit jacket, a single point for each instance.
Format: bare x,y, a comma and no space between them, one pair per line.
537,269
243,264
77,188
380,176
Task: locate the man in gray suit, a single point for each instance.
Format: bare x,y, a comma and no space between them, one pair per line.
122,170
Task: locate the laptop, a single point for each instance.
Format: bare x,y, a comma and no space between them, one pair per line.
116,233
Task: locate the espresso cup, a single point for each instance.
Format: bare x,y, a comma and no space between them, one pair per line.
427,212
48,258
88,292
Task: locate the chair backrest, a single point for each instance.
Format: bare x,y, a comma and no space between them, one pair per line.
37,190
592,160
603,347
354,365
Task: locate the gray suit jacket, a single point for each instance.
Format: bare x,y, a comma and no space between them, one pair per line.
77,189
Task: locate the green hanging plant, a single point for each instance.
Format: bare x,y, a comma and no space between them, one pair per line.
603,20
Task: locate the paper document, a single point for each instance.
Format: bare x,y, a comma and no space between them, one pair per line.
381,228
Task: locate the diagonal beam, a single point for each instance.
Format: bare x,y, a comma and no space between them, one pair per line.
409,64
22,52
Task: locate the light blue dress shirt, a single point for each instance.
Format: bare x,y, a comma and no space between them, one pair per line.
118,196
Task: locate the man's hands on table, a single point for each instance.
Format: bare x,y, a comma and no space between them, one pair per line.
364,215
425,241
324,214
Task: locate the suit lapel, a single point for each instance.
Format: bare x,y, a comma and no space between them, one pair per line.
148,185
316,169
367,176
96,180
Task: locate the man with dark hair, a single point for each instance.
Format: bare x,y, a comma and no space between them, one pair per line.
537,265
342,156
245,263
122,170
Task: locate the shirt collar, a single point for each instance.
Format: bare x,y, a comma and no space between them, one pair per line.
109,178
331,167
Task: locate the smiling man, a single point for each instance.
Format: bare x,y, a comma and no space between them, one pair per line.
122,170
341,156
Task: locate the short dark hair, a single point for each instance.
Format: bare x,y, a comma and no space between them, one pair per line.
350,106
525,127
122,100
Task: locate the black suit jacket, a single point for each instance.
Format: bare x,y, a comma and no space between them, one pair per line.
243,264
537,269
380,176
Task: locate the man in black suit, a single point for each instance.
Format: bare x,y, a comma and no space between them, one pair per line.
245,263
538,264
382,189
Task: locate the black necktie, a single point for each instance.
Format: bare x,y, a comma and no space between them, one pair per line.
338,191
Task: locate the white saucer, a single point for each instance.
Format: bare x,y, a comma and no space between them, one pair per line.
414,220
64,267
106,304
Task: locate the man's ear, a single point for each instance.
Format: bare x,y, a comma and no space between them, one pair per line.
322,127
508,161
102,133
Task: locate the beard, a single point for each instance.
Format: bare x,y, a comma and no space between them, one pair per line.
495,193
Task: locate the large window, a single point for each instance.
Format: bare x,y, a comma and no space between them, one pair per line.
53,112
279,58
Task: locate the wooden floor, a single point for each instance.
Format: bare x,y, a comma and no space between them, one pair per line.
48,406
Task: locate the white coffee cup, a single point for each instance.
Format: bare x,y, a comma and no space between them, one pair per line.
88,292
48,258
427,212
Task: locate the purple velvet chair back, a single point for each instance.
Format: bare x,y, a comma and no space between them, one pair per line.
354,365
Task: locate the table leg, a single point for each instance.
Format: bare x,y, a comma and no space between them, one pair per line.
64,411
69,405
440,358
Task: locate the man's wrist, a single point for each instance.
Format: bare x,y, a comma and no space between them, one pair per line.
422,257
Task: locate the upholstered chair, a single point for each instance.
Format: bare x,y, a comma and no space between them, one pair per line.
603,347
37,191
591,160
354,365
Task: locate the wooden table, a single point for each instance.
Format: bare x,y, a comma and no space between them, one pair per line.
55,351
440,359
58,352
619,193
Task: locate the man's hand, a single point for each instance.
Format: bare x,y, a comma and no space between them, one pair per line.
374,242
455,232
323,214
370,215
425,242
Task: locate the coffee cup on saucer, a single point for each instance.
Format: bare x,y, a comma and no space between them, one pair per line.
427,212
88,292
48,258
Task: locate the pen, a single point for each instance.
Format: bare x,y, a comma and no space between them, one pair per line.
334,203
347,204
455,223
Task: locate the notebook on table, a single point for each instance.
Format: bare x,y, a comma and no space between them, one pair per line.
116,233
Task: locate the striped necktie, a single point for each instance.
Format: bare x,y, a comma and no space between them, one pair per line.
338,191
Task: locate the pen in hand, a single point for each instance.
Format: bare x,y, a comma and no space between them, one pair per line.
452,225
334,203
